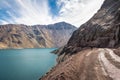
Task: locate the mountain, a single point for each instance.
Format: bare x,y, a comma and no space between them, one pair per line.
37,36
101,31
93,51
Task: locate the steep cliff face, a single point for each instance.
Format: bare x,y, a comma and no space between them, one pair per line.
93,51
37,36
102,30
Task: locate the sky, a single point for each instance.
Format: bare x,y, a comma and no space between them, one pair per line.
33,12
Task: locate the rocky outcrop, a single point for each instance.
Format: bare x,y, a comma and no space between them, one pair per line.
37,36
93,52
101,31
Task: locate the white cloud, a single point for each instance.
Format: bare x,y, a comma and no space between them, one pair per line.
32,12
78,12
3,22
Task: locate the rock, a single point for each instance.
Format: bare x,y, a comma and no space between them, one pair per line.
37,36
101,31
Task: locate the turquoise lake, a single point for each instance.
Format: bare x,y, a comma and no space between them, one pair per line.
25,64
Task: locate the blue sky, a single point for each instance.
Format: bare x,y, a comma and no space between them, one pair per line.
54,8
31,12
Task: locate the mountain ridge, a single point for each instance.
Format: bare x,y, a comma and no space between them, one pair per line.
101,31
36,36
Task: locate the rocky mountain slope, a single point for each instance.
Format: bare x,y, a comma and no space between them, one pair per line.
93,52
37,36
101,31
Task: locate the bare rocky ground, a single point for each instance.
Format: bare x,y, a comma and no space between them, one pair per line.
90,64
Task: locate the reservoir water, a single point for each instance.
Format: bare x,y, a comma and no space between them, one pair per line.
25,64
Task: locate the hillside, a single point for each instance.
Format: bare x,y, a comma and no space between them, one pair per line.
37,36
93,52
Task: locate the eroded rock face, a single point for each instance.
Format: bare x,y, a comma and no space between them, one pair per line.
37,36
102,30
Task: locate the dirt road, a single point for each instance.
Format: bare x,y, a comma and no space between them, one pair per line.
91,64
